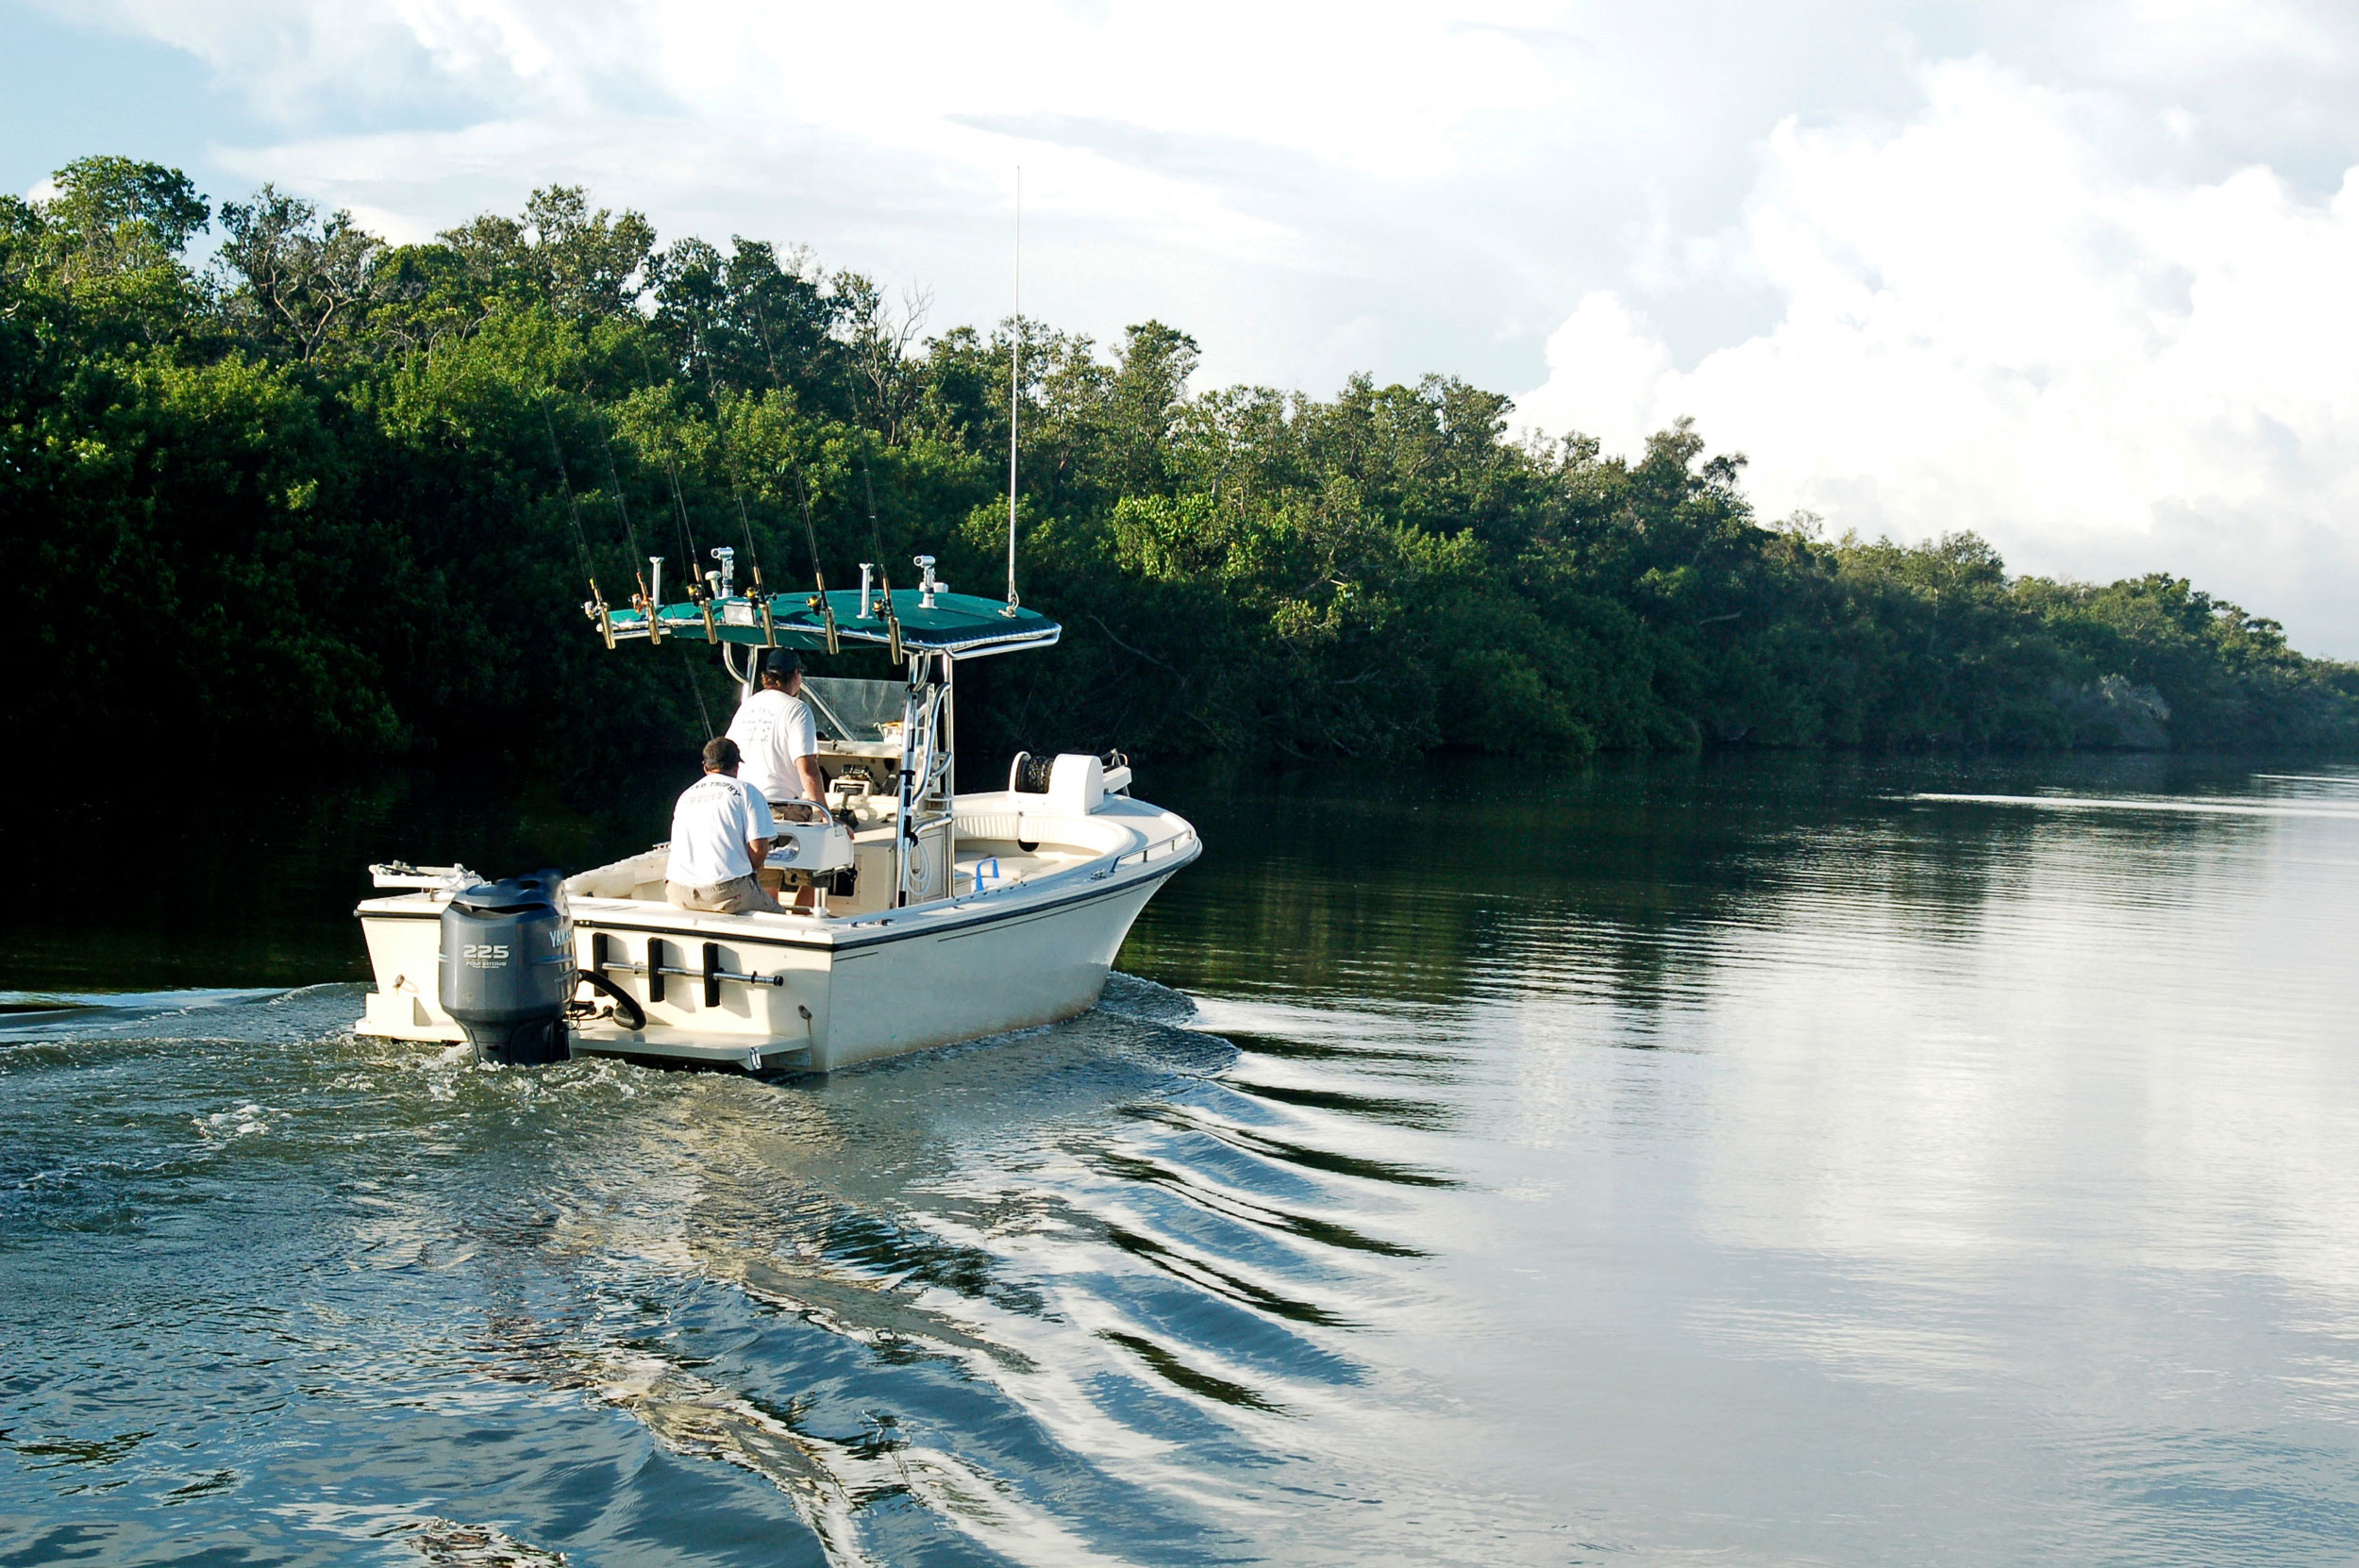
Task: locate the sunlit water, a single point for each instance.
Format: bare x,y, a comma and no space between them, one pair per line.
1740,1162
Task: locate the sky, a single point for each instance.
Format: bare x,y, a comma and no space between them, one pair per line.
2080,278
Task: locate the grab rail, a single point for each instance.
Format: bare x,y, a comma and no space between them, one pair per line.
1146,851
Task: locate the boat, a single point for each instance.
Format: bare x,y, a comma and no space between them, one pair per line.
934,916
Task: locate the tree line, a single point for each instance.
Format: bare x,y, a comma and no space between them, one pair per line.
328,496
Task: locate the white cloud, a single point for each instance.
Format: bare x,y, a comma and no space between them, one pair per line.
1418,185
1987,324
1238,169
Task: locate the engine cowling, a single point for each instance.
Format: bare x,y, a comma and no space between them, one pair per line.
507,968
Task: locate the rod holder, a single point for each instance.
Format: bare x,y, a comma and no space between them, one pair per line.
893,626
603,962
827,613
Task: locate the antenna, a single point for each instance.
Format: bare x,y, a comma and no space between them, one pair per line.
1015,387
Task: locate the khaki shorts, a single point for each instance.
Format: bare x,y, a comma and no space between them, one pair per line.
738,895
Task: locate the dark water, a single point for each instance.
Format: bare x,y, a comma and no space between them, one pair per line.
1655,1163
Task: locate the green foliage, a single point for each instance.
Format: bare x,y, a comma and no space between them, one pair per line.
294,282
341,496
111,215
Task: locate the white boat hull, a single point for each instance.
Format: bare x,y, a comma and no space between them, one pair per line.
823,992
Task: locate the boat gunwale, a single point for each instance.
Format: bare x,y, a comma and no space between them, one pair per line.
964,913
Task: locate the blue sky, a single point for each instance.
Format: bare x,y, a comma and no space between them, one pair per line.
2074,277
72,91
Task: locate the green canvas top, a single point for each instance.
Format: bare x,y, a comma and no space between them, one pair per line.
961,624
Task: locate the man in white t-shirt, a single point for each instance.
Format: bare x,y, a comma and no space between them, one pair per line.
775,731
721,834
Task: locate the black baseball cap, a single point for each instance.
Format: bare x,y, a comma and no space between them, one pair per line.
781,663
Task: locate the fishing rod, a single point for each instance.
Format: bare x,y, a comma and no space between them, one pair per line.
875,536
876,543
810,538
698,593
737,493
647,597
582,536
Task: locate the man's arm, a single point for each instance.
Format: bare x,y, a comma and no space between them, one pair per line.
756,818
802,747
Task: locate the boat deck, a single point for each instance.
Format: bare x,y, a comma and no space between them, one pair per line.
1046,894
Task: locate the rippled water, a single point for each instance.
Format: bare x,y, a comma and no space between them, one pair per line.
1740,1161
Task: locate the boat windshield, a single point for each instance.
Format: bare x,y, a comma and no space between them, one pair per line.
856,709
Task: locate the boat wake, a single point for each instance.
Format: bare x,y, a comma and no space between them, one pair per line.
68,1015
1016,1299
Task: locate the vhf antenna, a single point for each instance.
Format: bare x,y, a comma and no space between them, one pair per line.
1015,388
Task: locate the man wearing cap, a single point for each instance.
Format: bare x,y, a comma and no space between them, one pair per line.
775,732
721,834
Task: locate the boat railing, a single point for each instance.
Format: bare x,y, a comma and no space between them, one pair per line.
1167,847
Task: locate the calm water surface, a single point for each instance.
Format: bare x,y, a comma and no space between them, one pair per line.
1736,1160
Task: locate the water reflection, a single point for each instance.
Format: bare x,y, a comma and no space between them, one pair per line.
1750,1159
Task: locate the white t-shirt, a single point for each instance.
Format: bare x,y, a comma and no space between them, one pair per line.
772,729
711,827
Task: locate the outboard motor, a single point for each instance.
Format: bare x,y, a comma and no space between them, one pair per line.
507,968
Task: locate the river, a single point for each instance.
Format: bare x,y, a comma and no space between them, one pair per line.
1744,1160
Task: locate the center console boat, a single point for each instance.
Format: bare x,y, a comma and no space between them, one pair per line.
931,916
